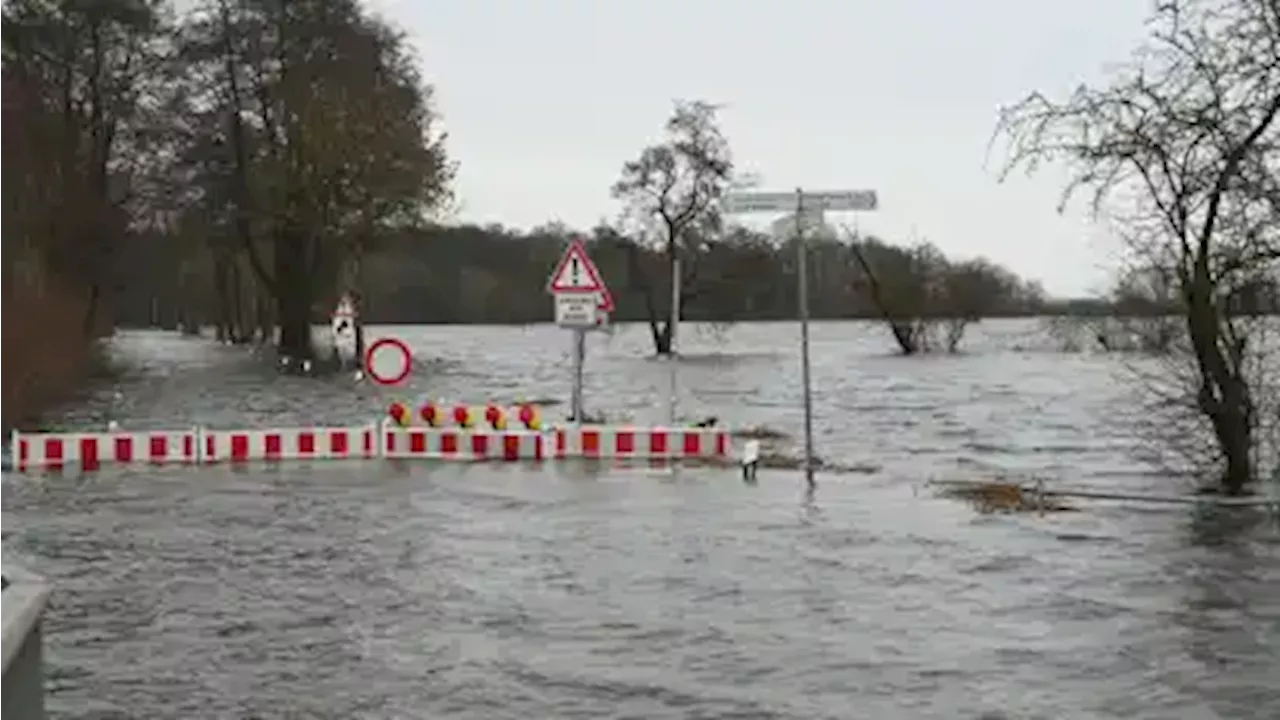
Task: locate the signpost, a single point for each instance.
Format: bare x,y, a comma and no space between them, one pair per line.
583,303
808,207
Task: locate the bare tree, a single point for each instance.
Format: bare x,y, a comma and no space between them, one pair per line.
1186,139
672,193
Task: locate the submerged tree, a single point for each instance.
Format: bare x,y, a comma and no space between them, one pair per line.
672,194
309,132
1187,138
926,300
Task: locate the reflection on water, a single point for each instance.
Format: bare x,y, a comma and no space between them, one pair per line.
403,590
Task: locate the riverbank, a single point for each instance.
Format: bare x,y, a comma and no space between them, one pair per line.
47,356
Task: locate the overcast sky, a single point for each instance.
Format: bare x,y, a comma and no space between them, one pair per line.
545,99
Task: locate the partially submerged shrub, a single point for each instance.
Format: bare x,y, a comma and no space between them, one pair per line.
1149,335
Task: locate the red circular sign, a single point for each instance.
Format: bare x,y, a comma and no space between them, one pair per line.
388,361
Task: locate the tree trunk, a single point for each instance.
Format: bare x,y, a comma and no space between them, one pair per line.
902,332
1234,431
293,296
295,324
226,330
1224,391
265,322
661,332
359,323
239,319
91,310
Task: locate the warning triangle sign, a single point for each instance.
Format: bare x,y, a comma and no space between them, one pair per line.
576,273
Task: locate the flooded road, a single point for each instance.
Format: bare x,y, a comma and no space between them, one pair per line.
381,590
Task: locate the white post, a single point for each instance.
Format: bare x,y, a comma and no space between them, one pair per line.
579,358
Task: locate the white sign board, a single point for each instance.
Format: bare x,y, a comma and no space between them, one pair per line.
842,200
344,325
833,200
759,202
579,311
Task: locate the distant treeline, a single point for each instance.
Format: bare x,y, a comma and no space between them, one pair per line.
472,274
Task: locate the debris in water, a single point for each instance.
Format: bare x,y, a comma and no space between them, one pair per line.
1002,497
759,432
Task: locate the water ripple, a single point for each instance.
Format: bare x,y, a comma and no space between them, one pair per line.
393,590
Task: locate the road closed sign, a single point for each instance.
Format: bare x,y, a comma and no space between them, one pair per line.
578,310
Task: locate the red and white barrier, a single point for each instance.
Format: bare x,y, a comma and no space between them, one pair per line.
455,444
90,450
649,443
289,444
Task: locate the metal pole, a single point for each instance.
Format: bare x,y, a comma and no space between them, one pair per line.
802,268
673,391
579,359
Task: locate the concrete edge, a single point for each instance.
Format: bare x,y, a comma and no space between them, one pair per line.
22,604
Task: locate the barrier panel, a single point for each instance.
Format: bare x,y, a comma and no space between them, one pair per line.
289,444
456,444
88,451
22,675
641,443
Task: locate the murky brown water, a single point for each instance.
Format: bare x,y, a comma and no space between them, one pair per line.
352,590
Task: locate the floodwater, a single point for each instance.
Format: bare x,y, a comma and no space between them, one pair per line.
381,590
